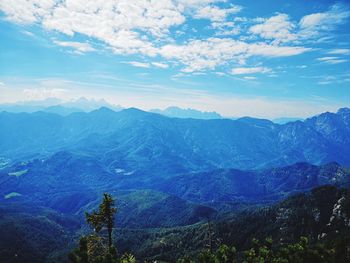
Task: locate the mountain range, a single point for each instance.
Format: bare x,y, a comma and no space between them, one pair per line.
152,144
64,108
58,106
169,177
176,112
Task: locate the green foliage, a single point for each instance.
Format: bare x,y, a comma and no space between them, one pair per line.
92,248
260,252
80,255
226,254
263,252
223,254
104,217
127,258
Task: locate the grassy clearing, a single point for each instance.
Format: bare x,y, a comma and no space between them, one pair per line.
18,173
10,195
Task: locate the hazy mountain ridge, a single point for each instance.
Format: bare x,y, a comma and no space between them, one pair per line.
150,142
176,112
164,172
321,214
263,185
58,106
66,176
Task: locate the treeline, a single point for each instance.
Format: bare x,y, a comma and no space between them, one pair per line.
217,247
98,247
261,252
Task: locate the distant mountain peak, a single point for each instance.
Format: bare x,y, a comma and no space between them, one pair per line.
343,111
104,109
177,112
251,120
135,112
133,109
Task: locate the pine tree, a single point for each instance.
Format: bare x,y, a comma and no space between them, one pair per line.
80,255
104,217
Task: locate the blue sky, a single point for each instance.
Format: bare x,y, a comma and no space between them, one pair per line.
258,58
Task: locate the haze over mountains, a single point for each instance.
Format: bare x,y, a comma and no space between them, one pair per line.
188,158
165,172
58,106
177,112
138,141
64,108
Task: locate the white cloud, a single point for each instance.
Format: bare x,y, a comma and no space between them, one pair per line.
279,28
154,17
336,61
332,60
160,65
249,77
225,28
314,24
23,11
245,71
215,13
336,15
229,32
146,96
326,58
79,46
123,25
220,73
193,3
302,66
276,51
44,93
339,51
28,33
138,64
143,27
199,55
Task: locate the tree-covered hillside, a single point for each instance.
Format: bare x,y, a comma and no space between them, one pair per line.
322,215
138,141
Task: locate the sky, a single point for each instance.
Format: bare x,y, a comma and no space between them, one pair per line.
258,58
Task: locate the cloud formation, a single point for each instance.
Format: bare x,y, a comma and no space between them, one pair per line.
281,29
199,55
340,51
278,28
146,27
81,47
245,71
332,60
215,13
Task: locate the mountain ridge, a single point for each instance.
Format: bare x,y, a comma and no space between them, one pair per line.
138,136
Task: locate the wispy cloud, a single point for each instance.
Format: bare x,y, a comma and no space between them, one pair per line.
316,26
249,77
79,46
244,71
279,28
199,55
326,20
147,96
215,13
160,65
339,51
138,64
313,25
144,28
44,93
332,60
